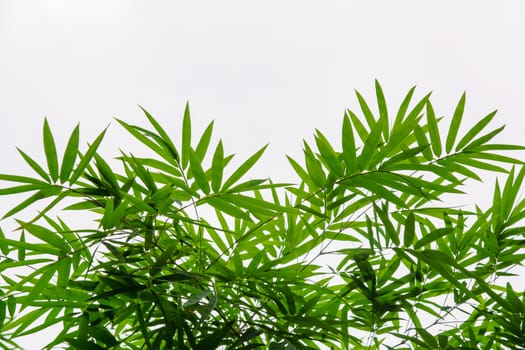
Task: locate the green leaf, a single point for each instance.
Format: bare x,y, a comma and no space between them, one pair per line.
163,135
70,155
369,117
383,110
410,231
328,154
226,207
483,139
403,107
34,165
476,129
371,144
198,172
84,344
44,193
50,151
314,167
217,168
455,123
433,130
432,236
349,147
86,158
186,136
243,168
204,141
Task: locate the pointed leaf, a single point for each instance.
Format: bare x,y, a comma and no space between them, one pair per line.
476,129
204,141
186,136
70,155
217,168
34,165
433,130
50,151
455,123
86,158
349,147
243,168
198,172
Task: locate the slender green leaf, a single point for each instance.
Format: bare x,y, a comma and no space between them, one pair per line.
70,155
433,130
383,110
86,158
243,168
50,151
204,141
217,168
186,136
455,123
34,165
349,147
163,134
198,172
475,130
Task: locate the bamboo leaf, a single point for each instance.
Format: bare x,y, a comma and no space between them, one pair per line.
383,110
34,165
186,136
50,151
70,155
243,168
433,130
476,129
371,144
349,147
163,134
217,168
328,154
432,236
455,123
198,172
204,141
86,158
410,230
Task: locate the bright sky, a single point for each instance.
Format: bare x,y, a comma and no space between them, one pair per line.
266,71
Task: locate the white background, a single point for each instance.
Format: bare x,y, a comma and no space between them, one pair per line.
266,71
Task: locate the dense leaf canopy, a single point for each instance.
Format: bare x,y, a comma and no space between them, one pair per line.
186,251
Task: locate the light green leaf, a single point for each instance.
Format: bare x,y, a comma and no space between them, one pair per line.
204,141
349,147
433,130
86,158
383,110
186,136
476,129
371,144
70,155
217,168
243,168
33,164
163,135
328,154
50,151
432,236
198,172
455,123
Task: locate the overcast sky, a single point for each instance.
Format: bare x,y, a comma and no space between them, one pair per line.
266,71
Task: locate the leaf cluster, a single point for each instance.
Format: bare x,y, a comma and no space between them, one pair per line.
187,253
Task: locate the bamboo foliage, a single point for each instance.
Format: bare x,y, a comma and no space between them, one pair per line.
188,252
